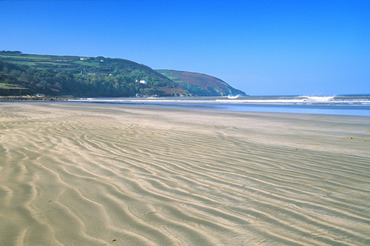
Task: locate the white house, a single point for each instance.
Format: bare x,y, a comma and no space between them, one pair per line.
142,81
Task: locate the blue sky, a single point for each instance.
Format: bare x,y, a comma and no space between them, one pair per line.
261,47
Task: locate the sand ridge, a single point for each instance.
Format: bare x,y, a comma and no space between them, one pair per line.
83,174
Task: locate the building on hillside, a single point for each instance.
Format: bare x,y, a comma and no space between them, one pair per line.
85,73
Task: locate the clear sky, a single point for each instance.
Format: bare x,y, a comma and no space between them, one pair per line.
286,47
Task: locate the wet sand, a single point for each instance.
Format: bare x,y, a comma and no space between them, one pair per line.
86,174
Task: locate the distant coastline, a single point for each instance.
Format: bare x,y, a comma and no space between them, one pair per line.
29,74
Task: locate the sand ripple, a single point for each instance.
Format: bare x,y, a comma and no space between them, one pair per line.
104,175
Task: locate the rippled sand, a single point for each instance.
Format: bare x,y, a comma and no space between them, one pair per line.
80,174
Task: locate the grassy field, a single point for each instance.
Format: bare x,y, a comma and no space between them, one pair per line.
11,86
25,57
88,63
27,63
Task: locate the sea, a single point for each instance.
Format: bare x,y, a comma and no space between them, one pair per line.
353,105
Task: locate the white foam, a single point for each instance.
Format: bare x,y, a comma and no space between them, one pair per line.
318,99
302,100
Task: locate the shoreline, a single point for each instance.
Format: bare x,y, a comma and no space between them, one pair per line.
321,106
35,98
92,174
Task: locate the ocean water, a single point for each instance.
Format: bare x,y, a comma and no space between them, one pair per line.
355,105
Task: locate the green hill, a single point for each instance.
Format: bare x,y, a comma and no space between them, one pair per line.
81,76
201,84
27,74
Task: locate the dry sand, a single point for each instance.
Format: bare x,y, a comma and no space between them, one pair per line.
80,174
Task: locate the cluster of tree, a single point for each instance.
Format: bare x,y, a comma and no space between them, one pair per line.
47,81
195,90
10,52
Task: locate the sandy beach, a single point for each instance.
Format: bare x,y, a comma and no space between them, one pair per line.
91,174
